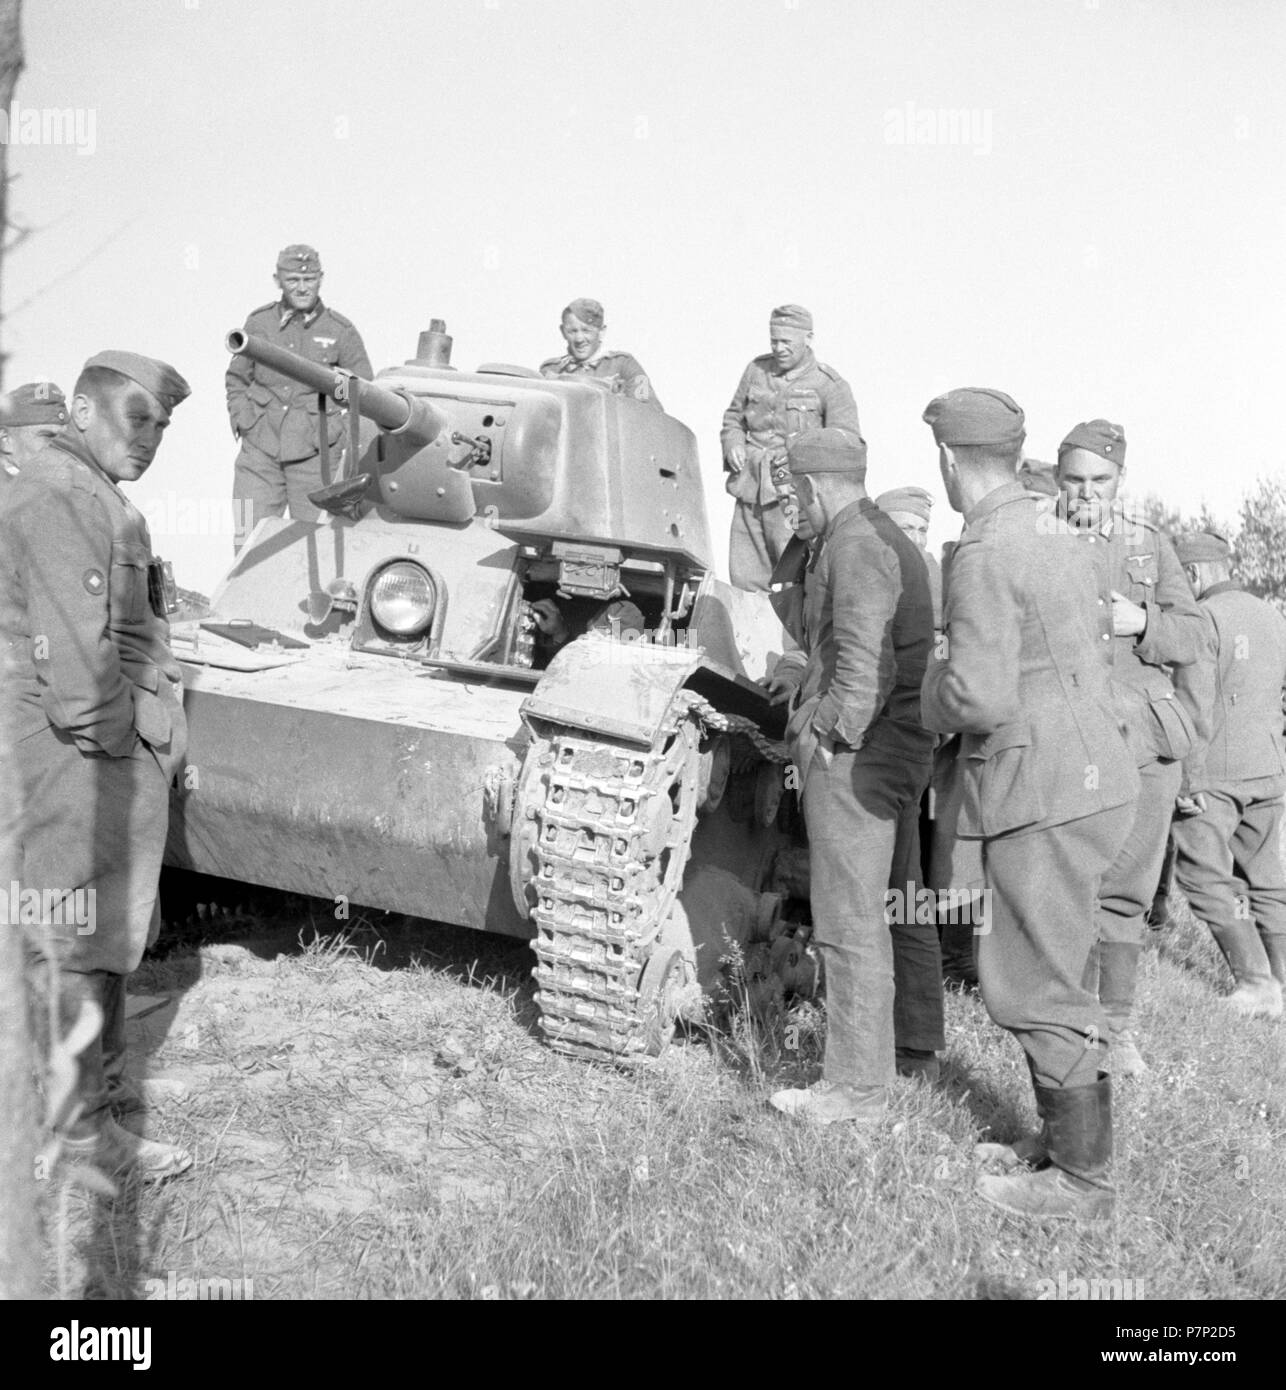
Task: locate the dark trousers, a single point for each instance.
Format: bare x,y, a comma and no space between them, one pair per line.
1228,863
883,983
1031,964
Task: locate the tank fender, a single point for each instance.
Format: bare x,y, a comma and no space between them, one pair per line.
621,689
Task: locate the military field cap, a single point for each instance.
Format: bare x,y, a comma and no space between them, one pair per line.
975,415
589,311
827,450
791,316
35,403
1100,437
1038,477
303,260
1199,546
916,500
157,377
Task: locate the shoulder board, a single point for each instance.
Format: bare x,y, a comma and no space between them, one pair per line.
551,362
338,317
767,361
829,371
264,308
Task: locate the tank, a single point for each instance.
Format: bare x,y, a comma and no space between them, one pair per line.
499,685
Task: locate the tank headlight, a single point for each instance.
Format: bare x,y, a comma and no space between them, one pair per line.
402,600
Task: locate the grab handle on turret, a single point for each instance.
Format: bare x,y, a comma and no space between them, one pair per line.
396,412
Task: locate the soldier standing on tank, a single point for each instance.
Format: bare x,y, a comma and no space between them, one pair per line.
1156,624
863,759
1023,677
1228,835
582,327
274,418
99,724
30,416
780,395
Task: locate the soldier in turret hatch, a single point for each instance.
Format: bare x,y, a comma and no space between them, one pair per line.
582,328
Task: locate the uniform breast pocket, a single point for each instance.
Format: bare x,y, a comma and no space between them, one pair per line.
1141,572
127,594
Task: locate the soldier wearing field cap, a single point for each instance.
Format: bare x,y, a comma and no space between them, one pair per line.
1228,834
582,325
274,418
909,508
863,760
1156,625
30,416
781,395
98,713
1048,787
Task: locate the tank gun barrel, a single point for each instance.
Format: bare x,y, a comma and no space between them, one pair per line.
397,412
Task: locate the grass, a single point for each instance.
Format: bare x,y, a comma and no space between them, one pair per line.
372,1115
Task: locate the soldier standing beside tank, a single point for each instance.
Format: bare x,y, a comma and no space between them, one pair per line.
1023,677
909,508
1156,624
863,760
780,395
30,416
275,418
99,723
1228,834
582,326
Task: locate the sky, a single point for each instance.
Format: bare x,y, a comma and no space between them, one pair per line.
1077,201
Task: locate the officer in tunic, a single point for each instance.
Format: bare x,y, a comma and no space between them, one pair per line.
1022,675
30,416
586,359
864,759
1228,835
99,724
275,418
780,395
1156,624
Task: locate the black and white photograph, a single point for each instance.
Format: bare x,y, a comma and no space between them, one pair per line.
644,658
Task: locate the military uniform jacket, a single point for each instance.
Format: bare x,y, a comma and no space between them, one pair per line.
867,627
769,408
1244,693
1133,558
617,371
89,655
1023,674
274,413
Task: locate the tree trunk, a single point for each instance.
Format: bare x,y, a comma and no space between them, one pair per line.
19,1234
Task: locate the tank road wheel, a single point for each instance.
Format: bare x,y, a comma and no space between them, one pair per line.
716,764
663,991
610,830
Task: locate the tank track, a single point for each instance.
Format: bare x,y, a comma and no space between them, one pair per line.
607,828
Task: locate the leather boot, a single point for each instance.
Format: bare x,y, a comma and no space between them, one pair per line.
1077,1184
1258,994
1275,949
959,963
1118,972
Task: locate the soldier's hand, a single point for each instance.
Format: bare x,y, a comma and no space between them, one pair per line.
781,685
1194,805
1128,619
735,458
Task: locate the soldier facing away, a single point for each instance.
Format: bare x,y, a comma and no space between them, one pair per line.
1156,625
1049,788
99,723
274,418
1228,835
781,395
30,416
582,326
